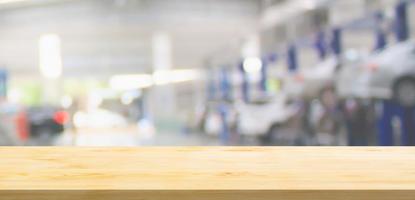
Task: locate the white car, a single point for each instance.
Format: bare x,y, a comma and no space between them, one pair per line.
99,118
262,118
345,79
211,120
388,74
310,82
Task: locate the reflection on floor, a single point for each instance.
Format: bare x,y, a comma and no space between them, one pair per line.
131,137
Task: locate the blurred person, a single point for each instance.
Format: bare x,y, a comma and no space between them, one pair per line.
329,123
357,123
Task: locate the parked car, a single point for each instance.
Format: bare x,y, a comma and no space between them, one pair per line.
211,121
263,118
310,82
46,121
13,124
345,80
389,74
99,118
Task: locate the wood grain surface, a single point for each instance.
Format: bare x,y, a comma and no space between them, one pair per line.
208,173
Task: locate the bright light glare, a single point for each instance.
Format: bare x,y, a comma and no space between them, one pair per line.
66,101
159,77
10,1
128,97
162,77
131,82
15,95
352,55
184,75
252,65
310,4
50,60
80,119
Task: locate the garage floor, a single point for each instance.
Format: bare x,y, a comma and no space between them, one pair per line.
131,137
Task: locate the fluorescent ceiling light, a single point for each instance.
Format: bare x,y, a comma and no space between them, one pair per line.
163,77
131,82
160,77
184,75
11,1
252,65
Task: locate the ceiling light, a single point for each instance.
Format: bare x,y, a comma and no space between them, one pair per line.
131,82
252,65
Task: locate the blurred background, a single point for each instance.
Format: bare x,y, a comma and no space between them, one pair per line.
207,72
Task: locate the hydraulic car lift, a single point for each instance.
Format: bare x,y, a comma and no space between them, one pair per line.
389,108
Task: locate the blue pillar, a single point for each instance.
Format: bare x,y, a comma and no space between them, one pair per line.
320,45
388,108
401,23
292,60
272,58
211,85
406,114
335,43
384,123
407,118
380,33
225,85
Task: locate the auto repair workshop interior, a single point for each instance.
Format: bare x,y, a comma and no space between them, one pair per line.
207,73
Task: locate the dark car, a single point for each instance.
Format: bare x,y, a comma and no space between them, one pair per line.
46,121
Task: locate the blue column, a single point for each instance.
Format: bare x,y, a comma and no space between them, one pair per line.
408,126
380,33
407,113
384,123
388,108
272,58
335,43
401,23
320,45
211,87
225,85
292,60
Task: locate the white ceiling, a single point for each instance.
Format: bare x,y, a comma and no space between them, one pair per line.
103,37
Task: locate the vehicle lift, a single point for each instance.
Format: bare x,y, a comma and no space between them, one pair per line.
226,91
389,109
222,91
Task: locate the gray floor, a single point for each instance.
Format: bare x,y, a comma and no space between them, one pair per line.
133,138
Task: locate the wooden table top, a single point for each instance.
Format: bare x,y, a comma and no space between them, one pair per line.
203,172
